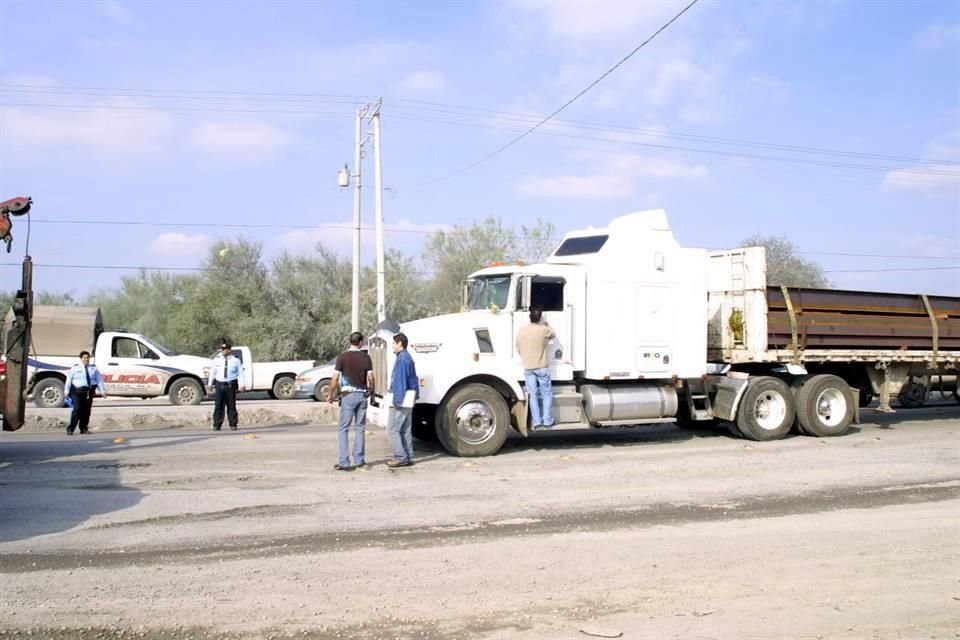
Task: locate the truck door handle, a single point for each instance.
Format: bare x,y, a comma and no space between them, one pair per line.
111,364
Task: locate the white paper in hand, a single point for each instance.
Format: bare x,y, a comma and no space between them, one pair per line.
409,398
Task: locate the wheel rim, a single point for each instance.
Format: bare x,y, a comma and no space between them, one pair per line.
475,422
770,410
831,407
321,392
186,393
285,388
51,396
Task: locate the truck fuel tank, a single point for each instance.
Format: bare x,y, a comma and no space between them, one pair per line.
603,404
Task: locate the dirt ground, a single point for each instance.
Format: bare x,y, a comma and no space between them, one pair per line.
646,533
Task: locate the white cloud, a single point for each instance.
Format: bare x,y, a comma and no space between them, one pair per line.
179,244
619,179
423,82
946,177
930,246
338,237
243,140
937,37
593,20
116,127
114,10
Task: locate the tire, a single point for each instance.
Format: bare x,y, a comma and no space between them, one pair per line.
284,388
185,391
473,421
913,395
425,422
767,410
321,390
824,406
48,393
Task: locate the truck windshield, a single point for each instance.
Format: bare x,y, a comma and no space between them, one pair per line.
162,349
484,291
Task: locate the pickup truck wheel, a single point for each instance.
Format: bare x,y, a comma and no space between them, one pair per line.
185,391
321,390
48,393
284,387
767,409
913,395
473,421
425,422
824,406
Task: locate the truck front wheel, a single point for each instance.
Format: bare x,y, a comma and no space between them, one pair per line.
824,406
185,391
283,388
766,410
48,393
473,421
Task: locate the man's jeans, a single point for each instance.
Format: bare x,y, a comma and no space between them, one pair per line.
539,380
353,408
401,433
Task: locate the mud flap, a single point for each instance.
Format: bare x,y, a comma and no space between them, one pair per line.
519,412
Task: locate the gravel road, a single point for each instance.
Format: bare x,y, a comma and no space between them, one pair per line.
649,533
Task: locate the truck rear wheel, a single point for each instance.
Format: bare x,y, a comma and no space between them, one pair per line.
767,409
185,391
824,406
48,393
284,388
473,421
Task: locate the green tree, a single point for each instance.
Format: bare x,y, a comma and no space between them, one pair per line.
453,255
147,303
784,266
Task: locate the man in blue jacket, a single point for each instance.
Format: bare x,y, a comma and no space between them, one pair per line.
402,381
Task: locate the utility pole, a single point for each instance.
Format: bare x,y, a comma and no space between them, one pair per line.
378,191
343,180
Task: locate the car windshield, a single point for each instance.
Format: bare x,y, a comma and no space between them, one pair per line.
485,291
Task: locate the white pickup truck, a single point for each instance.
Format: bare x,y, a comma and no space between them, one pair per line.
132,364
276,378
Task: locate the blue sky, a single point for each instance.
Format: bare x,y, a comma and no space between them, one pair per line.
238,113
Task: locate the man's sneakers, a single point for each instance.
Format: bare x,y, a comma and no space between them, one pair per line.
396,464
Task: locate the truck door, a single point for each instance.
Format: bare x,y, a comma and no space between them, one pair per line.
131,369
548,294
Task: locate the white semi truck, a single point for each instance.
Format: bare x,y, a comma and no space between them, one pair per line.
648,331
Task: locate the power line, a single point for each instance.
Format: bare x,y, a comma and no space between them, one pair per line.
448,109
565,105
717,152
524,118
955,268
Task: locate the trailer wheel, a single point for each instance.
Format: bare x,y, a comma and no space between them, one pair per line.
284,388
473,421
48,393
824,406
913,395
766,410
185,391
425,422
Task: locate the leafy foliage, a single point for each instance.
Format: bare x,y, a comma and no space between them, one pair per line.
784,266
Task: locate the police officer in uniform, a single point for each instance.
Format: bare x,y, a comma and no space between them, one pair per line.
82,381
225,379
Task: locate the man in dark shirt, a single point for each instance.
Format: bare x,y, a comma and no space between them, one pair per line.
354,376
